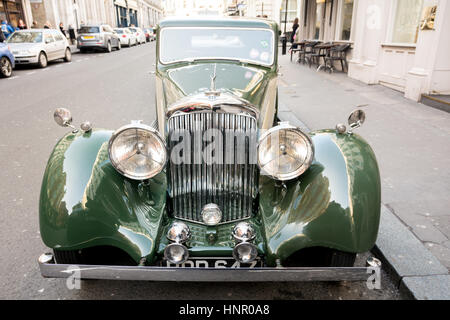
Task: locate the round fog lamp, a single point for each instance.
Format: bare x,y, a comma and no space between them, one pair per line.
176,253
243,231
211,214
178,232
245,252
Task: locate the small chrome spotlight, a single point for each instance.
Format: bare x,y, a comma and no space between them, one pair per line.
86,126
176,253
179,232
245,252
211,214
243,232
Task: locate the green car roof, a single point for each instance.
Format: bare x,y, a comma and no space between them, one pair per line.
233,22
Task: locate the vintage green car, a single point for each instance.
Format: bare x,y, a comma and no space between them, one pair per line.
217,188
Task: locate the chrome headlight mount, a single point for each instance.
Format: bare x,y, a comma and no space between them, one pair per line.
178,234
137,151
284,152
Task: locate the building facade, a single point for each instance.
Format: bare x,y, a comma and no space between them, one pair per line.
402,44
143,13
191,8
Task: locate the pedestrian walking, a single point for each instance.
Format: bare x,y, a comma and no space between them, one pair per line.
2,36
294,29
72,35
47,25
6,28
61,27
22,25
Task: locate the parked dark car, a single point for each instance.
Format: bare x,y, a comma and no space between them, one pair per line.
6,61
217,188
103,37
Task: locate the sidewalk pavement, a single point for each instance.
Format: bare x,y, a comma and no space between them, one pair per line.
412,145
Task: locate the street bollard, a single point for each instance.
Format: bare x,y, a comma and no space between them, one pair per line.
283,45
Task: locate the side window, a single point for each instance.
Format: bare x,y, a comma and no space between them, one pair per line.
58,36
48,38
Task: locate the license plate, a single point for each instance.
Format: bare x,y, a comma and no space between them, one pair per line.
88,37
213,263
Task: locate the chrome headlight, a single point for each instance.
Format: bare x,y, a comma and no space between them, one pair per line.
284,152
137,151
179,232
245,252
243,232
176,253
211,214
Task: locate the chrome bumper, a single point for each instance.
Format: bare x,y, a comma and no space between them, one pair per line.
49,269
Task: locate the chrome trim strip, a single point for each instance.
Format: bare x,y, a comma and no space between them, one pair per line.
224,103
49,269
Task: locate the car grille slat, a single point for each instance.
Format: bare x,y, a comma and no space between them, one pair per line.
229,184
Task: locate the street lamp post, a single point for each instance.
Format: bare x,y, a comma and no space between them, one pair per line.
285,16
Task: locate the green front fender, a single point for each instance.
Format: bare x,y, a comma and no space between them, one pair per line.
335,204
84,202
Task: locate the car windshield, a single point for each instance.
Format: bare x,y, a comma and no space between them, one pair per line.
89,30
252,45
25,37
118,30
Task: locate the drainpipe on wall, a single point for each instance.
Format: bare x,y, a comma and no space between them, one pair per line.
128,14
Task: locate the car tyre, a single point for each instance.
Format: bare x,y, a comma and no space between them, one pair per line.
119,46
5,67
129,43
68,55
42,60
108,47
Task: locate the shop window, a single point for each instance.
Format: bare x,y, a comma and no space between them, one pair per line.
406,23
291,13
346,20
320,15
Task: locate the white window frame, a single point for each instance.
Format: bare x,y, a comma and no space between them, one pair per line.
339,21
390,29
322,24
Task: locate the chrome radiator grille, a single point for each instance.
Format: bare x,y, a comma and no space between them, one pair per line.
230,182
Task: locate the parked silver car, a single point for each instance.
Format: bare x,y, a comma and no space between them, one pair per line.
140,35
127,38
100,36
39,46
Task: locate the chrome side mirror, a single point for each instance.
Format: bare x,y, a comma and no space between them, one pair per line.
63,117
356,119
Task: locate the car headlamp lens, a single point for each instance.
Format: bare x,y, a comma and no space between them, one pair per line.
245,252
176,253
179,232
243,231
137,152
211,214
285,152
